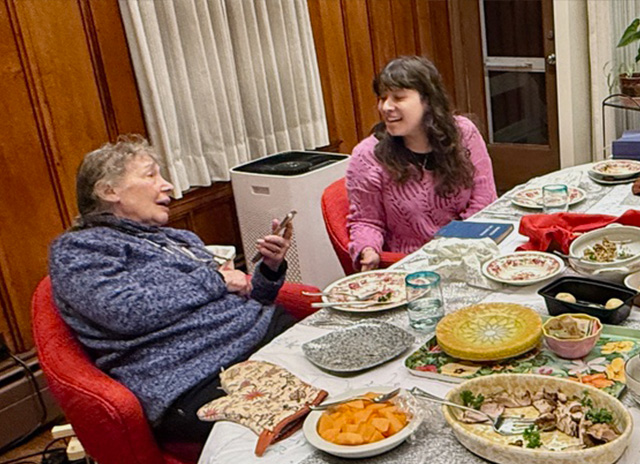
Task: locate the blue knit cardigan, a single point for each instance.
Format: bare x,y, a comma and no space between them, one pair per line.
158,322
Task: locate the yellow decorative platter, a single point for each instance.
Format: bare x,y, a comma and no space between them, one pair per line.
489,331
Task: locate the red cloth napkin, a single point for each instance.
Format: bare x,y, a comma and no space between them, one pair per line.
557,231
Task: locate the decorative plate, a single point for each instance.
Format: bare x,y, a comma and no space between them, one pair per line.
616,168
358,347
523,267
480,439
310,429
606,180
489,331
532,197
383,286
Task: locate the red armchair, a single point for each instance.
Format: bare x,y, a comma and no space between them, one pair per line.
335,208
105,415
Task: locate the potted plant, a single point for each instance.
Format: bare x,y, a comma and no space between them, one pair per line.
629,79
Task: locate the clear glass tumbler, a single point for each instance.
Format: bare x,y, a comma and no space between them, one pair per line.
555,198
425,304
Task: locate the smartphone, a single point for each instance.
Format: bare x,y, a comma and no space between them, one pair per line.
286,220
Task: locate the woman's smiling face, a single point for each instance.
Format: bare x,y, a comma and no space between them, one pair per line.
402,111
142,194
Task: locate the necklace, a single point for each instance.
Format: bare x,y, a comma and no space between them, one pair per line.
423,160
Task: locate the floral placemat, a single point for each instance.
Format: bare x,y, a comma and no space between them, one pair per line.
603,367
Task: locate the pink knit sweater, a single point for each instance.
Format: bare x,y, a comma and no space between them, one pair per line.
402,218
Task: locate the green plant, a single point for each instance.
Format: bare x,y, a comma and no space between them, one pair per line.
629,36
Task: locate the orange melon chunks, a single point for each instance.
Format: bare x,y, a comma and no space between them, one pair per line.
359,422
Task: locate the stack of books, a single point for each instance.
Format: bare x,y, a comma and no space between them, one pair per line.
627,146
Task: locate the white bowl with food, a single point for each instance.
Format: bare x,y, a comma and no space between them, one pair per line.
333,437
589,425
611,252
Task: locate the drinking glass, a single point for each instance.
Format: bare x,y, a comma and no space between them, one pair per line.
424,300
555,198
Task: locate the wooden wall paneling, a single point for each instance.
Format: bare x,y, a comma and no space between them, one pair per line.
433,40
30,212
331,48
403,14
110,54
209,212
383,40
467,61
361,64
57,52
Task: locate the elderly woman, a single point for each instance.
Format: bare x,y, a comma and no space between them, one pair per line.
147,301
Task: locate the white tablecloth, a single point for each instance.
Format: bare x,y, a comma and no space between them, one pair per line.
231,443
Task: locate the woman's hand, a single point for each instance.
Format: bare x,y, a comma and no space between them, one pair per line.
369,259
273,248
237,281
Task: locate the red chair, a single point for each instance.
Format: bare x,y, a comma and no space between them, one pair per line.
335,208
105,415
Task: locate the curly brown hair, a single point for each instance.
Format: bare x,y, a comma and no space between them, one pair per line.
452,168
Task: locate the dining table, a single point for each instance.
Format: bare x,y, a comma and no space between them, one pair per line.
433,442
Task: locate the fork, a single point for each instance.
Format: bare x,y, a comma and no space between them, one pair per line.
504,425
378,399
364,297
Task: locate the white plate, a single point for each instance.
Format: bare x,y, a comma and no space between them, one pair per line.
310,429
611,182
619,169
532,197
364,283
523,267
358,347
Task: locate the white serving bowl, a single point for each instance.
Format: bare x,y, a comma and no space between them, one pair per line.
632,374
497,451
310,429
632,281
616,270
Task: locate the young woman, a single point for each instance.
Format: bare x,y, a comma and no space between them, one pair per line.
422,168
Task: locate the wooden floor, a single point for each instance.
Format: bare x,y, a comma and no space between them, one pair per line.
35,445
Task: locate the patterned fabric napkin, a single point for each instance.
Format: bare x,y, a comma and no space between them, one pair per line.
267,398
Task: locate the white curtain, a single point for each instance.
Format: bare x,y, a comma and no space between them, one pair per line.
607,21
223,82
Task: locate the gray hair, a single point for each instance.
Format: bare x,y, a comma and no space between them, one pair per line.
107,164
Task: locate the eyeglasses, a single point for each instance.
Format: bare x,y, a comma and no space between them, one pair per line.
174,248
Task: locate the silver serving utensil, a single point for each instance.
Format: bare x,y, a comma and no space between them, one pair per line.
504,425
364,297
350,304
378,399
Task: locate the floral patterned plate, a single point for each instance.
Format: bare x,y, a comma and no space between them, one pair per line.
523,267
379,287
602,368
532,197
616,168
607,180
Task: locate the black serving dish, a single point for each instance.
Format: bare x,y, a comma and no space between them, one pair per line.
588,290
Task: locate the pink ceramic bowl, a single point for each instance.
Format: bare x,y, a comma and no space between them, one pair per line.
574,348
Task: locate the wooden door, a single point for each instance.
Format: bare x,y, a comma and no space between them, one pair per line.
505,72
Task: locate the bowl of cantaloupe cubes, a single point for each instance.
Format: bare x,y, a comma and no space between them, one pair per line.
360,428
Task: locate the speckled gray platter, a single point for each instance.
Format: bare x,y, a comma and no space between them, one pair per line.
357,347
